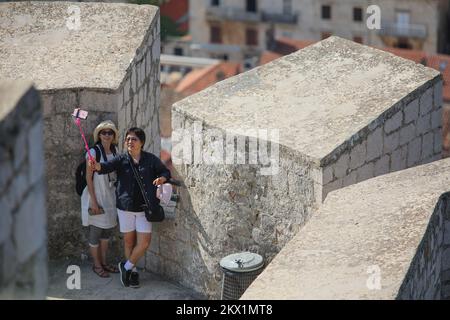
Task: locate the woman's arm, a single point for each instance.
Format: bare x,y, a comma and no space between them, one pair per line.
93,204
90,185
161,171
107,167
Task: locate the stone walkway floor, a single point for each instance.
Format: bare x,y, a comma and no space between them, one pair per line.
93,287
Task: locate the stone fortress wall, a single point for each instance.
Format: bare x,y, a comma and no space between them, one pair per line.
23,238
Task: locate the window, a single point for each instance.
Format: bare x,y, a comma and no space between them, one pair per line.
357,14
251,37
326,35
403,43
178,51
216,34
287,6
251,6
358,39
326,12
402,18
215,3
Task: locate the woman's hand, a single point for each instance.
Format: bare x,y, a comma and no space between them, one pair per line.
159,181
94,165
95,208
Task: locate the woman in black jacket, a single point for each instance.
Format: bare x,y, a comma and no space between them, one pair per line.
129,200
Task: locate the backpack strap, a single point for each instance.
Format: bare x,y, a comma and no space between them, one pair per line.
98,153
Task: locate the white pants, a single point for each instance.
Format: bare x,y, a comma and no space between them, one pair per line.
131,221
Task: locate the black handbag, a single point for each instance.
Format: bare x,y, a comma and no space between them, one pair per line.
153,213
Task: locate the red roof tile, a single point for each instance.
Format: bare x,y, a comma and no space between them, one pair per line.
414,55
198,80
442,64
268,56
175,10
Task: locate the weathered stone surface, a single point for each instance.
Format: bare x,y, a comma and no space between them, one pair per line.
358,155
339,91
394,123
321,116
381,166
22,196
110,37
414,151
391,142
426,102
116,29
375,144
407,133
371,230
411,111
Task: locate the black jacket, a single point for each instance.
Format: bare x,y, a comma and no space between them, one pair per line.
150,168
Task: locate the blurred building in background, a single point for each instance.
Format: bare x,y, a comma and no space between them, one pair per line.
240,30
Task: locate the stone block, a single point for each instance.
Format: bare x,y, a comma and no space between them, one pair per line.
99,101
5,219
365,172
126,89
427,146
407,133
411,111
144,75
445,292
447,233
156,45
6,172
47,105
64,101
375,144
327,175
423,125
8,261
17,189
337,184
30,225
133,80
349,179
341,166
381,166
393,123
358,155
391,142
414,151
20,149
436,119
148,63
437,95
446,259
426,102
36,153
398,159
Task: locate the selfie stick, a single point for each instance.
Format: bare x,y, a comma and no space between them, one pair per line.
76,114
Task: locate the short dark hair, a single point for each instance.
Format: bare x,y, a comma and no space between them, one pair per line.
138,132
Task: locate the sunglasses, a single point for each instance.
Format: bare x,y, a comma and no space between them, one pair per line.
107,133
131,139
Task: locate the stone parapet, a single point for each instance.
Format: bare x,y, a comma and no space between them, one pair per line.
343,112
23,224
384,238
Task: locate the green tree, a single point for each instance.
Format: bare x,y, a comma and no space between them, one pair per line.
168,26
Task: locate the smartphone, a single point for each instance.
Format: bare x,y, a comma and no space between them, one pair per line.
81,114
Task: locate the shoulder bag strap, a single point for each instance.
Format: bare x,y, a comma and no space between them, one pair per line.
139,181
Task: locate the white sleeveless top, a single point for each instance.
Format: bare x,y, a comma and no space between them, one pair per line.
106,198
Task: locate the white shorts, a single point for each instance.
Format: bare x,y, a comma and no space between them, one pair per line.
131,221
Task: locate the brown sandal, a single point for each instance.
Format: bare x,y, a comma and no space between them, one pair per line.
110,268
100,272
